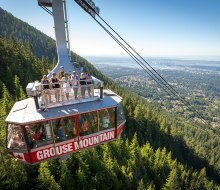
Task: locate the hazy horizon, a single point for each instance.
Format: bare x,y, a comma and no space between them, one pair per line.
185,29
187,58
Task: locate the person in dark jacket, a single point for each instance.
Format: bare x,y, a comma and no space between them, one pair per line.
82,82
56,86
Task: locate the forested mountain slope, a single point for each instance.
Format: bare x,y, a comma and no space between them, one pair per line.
156,150
18,59
43,46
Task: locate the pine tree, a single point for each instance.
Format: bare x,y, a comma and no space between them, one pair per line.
13,174
141,185
1,87
18,91
173,181
134,148
45,179
66,180
151,186
6,102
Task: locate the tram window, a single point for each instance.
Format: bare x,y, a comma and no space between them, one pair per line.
88,123
107,118
120,115
64,129
95,122
15,137
39,134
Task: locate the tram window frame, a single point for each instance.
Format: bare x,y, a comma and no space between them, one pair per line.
112,119
21,139
33,139
63,129
120,115
88,119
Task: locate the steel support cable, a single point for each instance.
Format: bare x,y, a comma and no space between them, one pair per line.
137,53
170,86
163,80
136,59
172,90
145,67
175,93
147,70
140,63
128,50
46,9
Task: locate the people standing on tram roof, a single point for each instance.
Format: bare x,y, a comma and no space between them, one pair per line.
89,82
61,73
56,86
82,82
46,89
66,85
75,83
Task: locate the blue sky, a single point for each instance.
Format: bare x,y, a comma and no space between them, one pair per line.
164,28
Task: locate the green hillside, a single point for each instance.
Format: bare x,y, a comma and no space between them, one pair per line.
42,45
156,151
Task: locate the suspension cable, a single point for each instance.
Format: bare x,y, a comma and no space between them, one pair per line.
163,80
145,68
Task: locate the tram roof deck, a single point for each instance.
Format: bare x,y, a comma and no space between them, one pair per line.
24,112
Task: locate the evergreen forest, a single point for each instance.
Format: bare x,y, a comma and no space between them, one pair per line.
157,150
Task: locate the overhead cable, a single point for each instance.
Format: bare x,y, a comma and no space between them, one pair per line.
151,71
153,75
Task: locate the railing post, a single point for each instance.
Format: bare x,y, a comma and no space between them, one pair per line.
101,90
36,100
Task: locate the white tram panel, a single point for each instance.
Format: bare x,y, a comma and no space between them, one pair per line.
24,112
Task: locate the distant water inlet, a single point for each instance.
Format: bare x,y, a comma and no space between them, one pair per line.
162,64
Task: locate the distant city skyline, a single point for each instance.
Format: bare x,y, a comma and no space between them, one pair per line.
156,28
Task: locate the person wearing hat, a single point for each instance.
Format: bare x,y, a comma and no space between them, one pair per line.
61,73
56,86
75,83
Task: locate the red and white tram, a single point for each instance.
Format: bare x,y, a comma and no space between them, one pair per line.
34,136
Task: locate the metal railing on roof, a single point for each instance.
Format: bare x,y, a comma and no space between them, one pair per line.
60,93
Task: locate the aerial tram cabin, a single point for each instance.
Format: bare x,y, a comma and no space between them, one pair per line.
36,135
58,119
